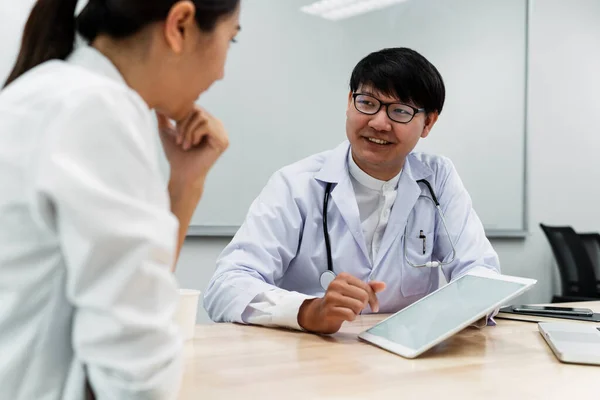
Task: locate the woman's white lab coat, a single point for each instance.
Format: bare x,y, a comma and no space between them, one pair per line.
281,242
86,239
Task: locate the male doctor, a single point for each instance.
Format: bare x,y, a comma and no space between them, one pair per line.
387,241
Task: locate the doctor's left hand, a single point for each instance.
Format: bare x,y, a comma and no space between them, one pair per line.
346,297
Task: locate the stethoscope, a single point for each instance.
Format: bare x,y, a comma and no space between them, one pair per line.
328,276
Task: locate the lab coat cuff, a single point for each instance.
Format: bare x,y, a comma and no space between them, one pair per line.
244,299
286,312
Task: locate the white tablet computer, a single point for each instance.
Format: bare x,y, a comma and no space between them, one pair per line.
445,312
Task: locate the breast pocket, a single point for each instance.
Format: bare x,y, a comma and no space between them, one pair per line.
417,280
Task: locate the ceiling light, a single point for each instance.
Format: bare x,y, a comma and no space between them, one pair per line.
341,9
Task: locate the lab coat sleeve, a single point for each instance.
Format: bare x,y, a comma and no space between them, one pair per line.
101,179
258,256
275,308
473,249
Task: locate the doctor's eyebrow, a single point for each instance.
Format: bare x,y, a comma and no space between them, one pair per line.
367,92
396,100
377,96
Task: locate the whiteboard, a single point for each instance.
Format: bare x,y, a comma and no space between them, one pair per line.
286,86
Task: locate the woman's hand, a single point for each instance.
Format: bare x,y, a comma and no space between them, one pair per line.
193,145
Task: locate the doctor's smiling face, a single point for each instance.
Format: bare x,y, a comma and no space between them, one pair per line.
395,98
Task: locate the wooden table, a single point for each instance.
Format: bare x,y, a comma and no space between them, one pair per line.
510,361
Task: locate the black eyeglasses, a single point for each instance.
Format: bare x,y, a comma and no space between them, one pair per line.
397,112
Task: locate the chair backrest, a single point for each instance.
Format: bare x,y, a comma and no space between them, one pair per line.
574,264
591,242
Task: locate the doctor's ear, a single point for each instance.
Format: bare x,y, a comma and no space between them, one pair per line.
179,24
430,120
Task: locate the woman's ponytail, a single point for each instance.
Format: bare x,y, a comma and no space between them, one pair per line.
49,34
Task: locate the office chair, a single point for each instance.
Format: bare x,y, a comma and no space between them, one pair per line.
574,265
591,242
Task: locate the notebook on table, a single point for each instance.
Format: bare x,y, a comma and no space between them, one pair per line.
508,312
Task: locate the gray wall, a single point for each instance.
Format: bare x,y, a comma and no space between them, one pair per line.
564,143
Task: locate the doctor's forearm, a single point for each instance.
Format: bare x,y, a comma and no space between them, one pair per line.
184,199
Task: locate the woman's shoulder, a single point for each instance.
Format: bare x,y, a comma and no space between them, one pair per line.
59,86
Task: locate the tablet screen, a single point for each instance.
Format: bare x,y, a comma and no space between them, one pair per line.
432,317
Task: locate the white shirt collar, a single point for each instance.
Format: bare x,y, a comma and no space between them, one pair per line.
367,180
91,59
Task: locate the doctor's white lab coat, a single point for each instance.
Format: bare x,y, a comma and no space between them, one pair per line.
87,239
281,243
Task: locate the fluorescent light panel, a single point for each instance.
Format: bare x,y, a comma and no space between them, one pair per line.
341,9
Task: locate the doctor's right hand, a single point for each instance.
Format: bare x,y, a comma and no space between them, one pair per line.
346,297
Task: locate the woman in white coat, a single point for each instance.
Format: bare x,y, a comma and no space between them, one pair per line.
88,232
382,226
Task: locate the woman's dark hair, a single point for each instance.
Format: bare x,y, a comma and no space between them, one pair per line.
50,30
402,73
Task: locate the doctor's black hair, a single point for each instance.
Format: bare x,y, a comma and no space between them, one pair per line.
402,73
50,30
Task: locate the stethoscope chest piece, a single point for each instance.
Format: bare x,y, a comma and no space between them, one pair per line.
326,278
